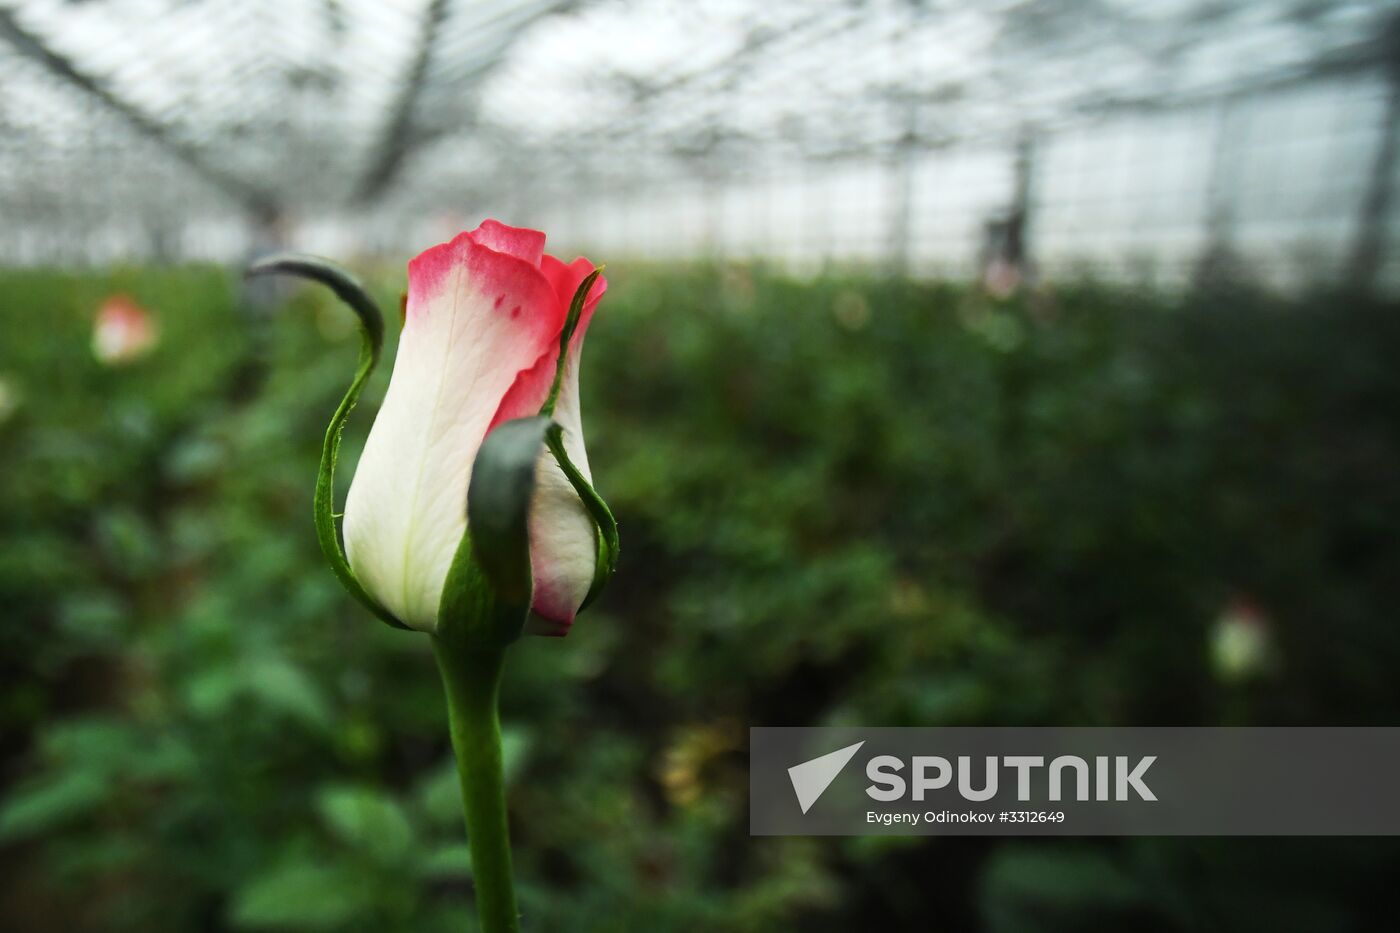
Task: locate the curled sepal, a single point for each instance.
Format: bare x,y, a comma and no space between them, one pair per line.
566,336
486,597
609,544
350,291
606,525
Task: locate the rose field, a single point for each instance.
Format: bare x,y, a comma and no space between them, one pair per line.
842,500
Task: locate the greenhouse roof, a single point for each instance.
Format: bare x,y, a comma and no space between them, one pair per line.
159,106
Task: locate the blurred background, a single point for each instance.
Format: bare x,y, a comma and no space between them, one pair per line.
1030,362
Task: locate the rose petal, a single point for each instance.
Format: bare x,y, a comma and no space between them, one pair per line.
520,242
476,318
566,278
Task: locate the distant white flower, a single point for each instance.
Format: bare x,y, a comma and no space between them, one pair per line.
122,332
1242,641
9,398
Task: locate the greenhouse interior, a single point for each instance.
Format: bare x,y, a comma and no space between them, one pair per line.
961,363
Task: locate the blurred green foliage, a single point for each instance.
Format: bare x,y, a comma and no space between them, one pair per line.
854,501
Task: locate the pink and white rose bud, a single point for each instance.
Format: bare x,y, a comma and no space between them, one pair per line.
123,331
480,346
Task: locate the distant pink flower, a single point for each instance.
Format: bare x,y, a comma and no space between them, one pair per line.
1001,278
123,331
480,345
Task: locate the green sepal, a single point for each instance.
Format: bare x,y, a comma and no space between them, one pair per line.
609,544
486,597
606,525
566,336
350,291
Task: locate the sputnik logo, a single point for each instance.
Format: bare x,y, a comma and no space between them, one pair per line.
811,778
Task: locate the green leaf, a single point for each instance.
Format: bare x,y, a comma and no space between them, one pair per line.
609,543
367,820
36,809
453,860
1027,889
284,687
486,598
439,795
350,291
300,896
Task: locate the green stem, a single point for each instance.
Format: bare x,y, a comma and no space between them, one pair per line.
472,680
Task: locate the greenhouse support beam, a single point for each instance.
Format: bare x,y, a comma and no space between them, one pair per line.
397,140
1369,247
259,202
401,136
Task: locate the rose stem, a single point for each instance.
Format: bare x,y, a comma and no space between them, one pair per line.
472,680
